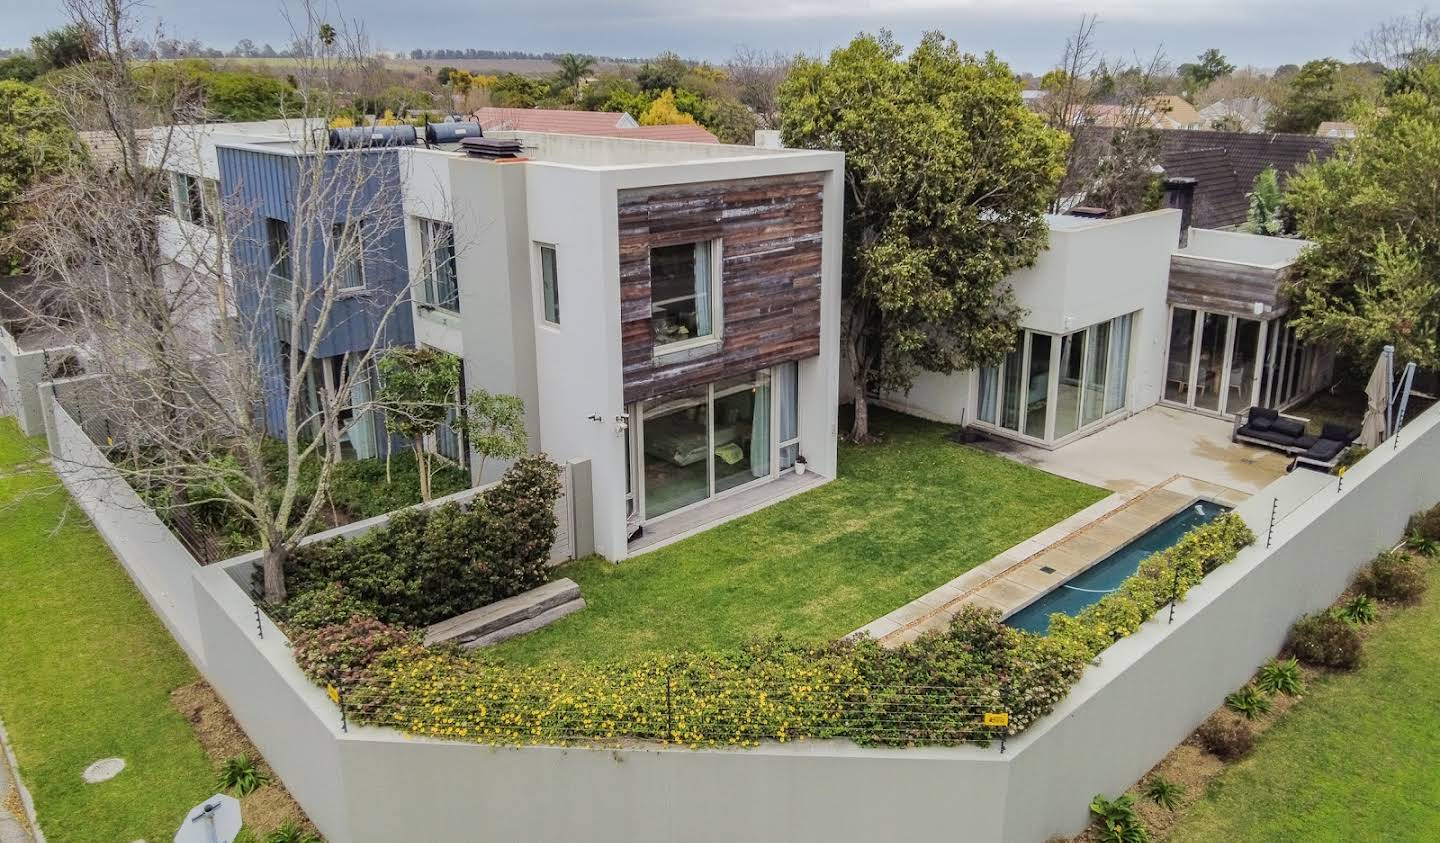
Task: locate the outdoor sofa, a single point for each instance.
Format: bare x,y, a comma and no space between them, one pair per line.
1269,428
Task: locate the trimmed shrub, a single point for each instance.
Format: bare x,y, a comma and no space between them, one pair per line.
1227,735
1426,523
343,653
1326,641
1181,566
1394,578
427,565
324,607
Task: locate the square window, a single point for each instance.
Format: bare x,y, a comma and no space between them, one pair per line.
683,300
549,286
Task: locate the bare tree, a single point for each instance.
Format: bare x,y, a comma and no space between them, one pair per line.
177,326
1402,42
1109,109
757,75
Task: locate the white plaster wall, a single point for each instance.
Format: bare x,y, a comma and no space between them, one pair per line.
1253,249
20,373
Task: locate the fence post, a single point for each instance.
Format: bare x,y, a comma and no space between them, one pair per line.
1174,595
1005,707
1274,505
669,711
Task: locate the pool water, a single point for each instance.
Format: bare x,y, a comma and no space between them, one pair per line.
1092,584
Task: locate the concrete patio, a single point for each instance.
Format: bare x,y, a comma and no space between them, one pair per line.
1151,446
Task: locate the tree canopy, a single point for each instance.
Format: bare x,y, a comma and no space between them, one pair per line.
947,178
35,141
1372,210
1321,90
1207,67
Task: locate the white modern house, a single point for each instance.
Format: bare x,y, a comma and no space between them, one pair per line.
1124,313
668,311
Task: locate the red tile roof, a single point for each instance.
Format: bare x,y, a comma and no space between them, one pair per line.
615,124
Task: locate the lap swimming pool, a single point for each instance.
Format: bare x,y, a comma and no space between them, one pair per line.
1092,584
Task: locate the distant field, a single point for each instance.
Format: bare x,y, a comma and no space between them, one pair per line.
524,67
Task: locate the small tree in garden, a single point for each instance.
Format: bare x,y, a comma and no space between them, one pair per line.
495,424
418,387
1267,205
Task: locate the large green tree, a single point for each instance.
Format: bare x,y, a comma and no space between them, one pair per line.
1373,212
1321,90
1208,66
35,142
574,69
947,178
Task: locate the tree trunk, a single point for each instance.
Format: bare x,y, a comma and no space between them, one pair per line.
422,465
274,567
860,427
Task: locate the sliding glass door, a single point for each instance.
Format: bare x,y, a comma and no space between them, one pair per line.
713,439
1213,360
1050,387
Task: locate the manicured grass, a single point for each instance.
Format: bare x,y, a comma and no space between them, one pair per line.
86,671
1355,760
904,517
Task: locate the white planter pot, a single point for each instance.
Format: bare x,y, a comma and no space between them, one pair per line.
799,468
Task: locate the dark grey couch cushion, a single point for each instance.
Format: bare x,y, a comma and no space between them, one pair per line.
1260,422
1325,450
1337,432
1288,427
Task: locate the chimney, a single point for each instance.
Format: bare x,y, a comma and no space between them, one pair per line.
1180,193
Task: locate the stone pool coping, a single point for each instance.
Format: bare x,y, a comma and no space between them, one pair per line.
1029,570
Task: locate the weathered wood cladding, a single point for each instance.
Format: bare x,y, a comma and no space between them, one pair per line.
1224,287
770,234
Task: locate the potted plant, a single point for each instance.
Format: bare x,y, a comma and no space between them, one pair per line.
799,465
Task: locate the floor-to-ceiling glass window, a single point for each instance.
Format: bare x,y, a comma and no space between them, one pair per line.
1086,369
1069,389
1214,339
712,439
1178,367
1244,363
1037,390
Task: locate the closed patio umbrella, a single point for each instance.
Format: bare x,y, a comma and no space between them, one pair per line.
1377,394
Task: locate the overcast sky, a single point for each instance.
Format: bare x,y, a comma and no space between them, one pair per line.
1027,33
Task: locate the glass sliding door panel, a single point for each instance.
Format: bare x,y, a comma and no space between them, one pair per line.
1012,387
1177,363
1097,361
787,385
1117,370
676,439
1244,360
1068,390
986,400
741,451
1214,333
1037,386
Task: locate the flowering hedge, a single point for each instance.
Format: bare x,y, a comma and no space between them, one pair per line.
934,690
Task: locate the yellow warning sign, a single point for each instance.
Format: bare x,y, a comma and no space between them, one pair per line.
997,718
334,694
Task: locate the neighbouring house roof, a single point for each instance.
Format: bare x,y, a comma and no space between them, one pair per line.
1225,165
1162,112
1251,112
614,124
1336,129
555,120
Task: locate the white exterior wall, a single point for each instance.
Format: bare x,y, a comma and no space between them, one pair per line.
425,182
1089,274
20,374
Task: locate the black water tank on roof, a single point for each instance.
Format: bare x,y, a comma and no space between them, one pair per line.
437,133
360,137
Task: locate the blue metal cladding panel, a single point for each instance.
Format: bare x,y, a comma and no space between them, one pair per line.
259,186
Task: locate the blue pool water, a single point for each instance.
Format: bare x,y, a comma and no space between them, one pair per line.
1104,576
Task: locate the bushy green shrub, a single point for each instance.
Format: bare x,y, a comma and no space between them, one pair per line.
426,565
1324,640
343,653
325,606
1227,735
1280,676
240,775
360,487
1174,570
1426,523
1163,792
1248,702
1394,578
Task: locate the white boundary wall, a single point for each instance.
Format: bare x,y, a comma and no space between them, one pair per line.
20,375
1126,713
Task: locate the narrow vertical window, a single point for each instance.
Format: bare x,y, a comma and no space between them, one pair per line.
347,245
549,285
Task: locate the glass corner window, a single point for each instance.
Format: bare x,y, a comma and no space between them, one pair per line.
683,292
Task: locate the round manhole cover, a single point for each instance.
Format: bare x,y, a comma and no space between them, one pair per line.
103,770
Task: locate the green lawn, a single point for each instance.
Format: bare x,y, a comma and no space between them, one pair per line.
86,671
1356,760
904,517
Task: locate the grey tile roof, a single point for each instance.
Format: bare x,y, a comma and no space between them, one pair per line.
1226,163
